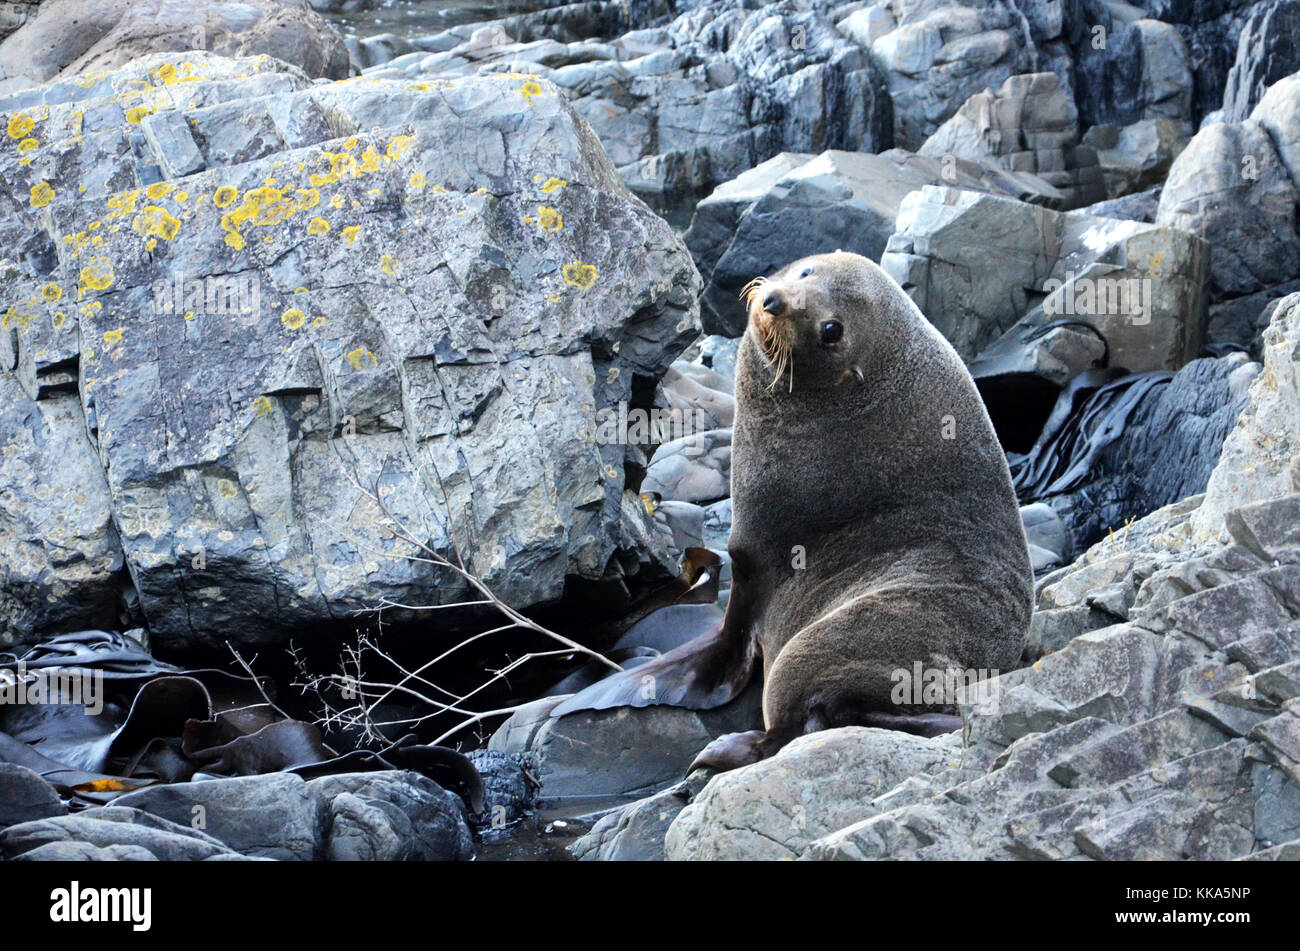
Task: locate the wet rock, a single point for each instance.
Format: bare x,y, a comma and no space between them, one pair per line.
511,792
624,752
25,796
635,833
68,37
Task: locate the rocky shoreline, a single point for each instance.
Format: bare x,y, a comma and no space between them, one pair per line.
376,330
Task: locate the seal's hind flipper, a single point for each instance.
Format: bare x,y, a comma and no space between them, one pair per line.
701,674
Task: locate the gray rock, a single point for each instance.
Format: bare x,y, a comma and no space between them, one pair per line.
719,89
1026,125
1266,52
692,469
624,752
635,833
392,816
795,205
1135,157
1142,206
25,796
1261,456
815,785
382,816
241,444
125,833
68,37
975,264
1229,187
275,816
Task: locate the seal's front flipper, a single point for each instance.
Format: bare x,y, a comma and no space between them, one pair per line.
701,674
732,750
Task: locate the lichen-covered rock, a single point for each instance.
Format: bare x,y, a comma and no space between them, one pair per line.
298,315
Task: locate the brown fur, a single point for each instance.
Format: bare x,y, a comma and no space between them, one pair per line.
913,542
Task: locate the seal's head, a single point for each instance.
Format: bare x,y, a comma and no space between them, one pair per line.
812,320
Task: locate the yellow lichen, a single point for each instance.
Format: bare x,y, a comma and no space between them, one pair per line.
417,180
225,196
351,233
548,219
159,190
136,113
318,226
581,276
359,356
113,336
553,183
42,194
20,125
156,222
52,293
293,318
98,275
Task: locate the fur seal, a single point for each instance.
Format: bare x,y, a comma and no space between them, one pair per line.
874,522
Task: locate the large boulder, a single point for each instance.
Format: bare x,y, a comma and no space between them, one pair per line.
977,264
1261,456
1026,125
938,54
1127,70
795,205
70,37
303,319
1230,188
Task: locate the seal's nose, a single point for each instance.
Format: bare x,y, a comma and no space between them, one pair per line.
774,303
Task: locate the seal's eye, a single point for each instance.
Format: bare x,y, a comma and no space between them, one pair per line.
806,272
831,331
